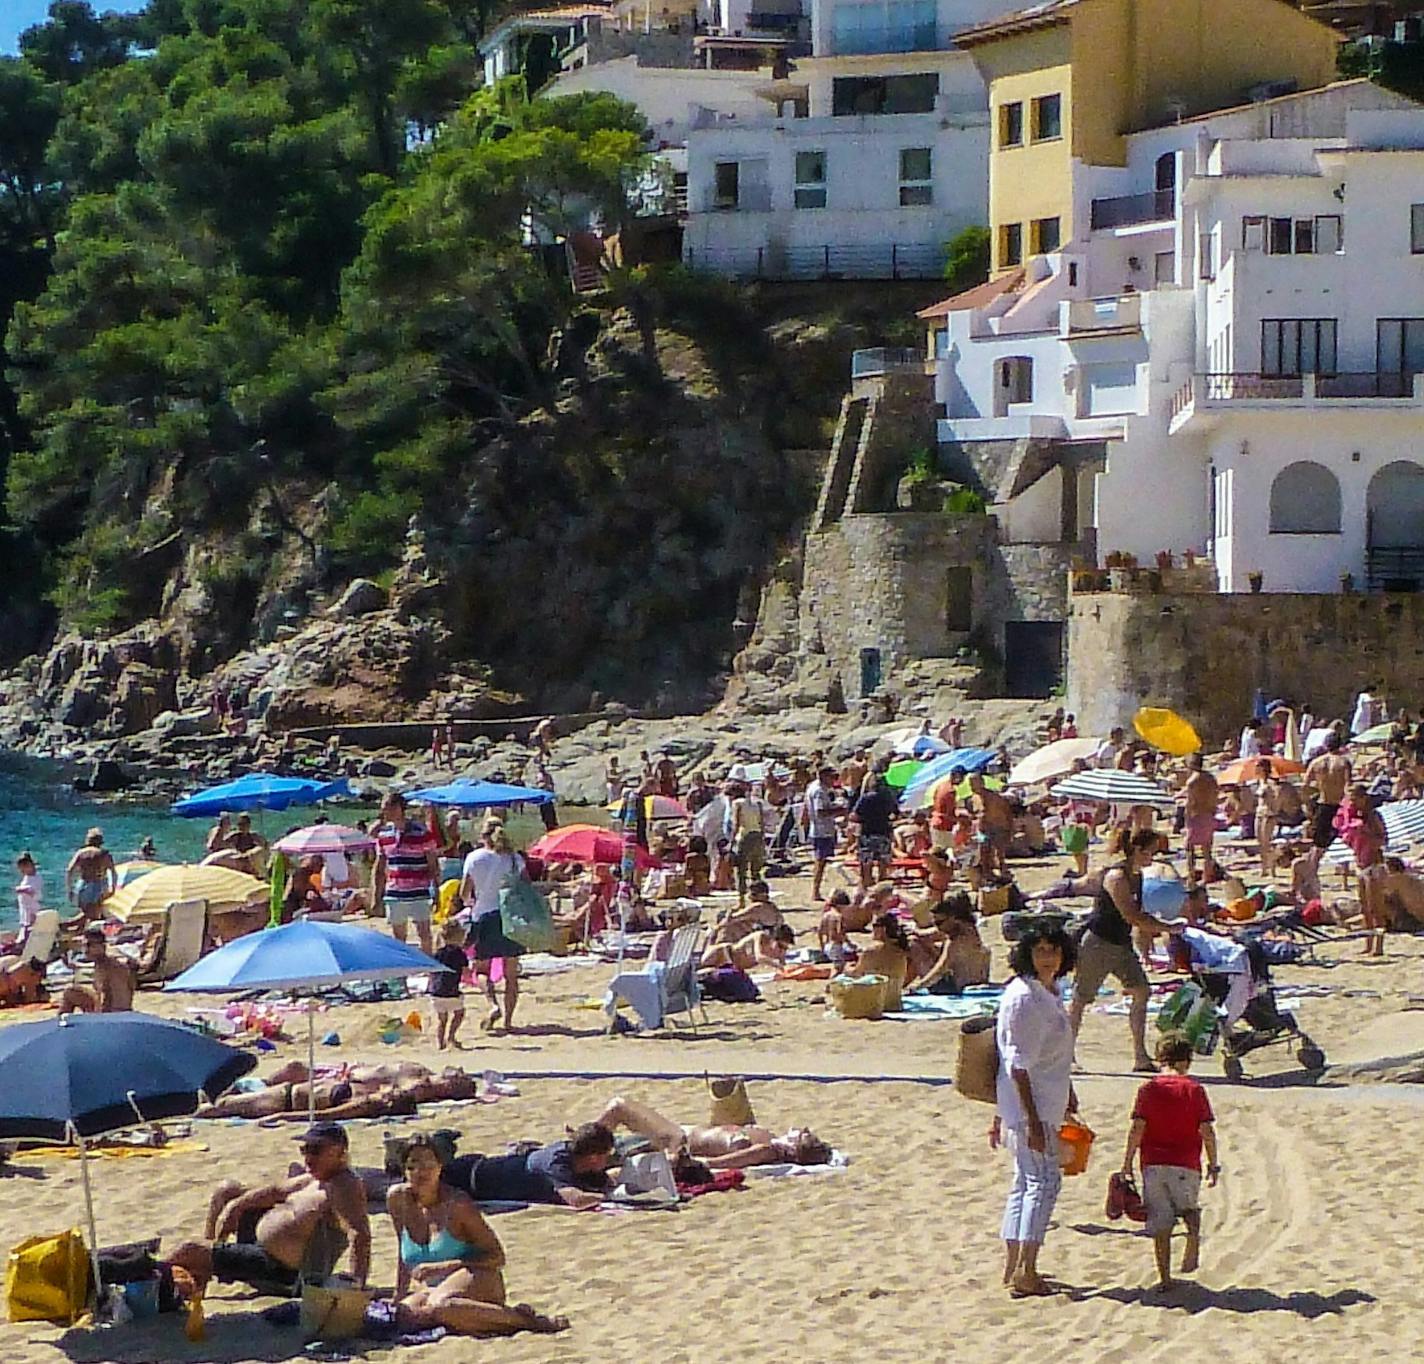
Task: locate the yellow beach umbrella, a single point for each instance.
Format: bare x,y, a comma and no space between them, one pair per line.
1166,730
221,887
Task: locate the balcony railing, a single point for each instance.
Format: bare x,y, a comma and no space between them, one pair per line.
1225,387
1394,569
1104,314
1129,209
1307,388
881,260
859,42
884,360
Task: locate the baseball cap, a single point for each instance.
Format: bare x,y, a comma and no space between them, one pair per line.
324,1133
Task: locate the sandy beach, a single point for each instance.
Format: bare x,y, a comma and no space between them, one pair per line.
1307,1237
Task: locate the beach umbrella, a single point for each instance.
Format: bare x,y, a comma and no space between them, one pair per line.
81,1075
970,759
927,795
258,791
588,843
305,955
1244,769
656,807
325,838
1166,730
1052,760
1375,734
1110,787
480,795
903,772
1403,822
131,870
221,887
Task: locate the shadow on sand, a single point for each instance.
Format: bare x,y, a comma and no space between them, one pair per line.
1185,1296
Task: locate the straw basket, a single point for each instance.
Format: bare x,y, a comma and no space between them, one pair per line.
335,1310
730,1105
858,997
976,1070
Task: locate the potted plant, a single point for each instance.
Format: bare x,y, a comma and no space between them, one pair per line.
1189,558
1255,579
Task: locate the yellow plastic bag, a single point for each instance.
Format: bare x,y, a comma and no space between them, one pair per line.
47,1278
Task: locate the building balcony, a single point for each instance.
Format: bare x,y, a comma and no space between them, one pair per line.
1204,398
1085,316
1132,210
884,360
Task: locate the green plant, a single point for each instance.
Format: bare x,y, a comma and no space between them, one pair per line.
966,259
921,467
964,502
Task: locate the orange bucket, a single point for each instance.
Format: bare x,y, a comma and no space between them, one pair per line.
1075,1144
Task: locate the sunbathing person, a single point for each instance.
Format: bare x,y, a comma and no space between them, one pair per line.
889,957
766,947
572,1172
450,1263
363,1092
1403,894
286,1231
758,912
963,959
732,1146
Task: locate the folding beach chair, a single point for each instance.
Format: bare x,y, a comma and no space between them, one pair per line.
185,930
663,987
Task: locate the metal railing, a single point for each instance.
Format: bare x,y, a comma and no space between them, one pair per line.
1364,385
884,359
1129,209
1394,568
914,260
1226,387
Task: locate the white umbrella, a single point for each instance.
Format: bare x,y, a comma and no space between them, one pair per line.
1052,760
1112,787
1403,822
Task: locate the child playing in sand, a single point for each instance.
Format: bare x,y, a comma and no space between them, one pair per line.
1171,1122
445,996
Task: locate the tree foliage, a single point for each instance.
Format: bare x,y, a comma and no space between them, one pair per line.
258,244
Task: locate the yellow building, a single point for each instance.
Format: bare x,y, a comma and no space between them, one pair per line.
1068,78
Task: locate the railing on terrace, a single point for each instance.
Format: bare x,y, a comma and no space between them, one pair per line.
1225,387
1395,569
914,260
1130,209
1364,385
1290,387
884,359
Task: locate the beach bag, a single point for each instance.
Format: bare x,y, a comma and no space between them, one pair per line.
1191,1012
647,1177
857,996
47,1278
731,1106
334,1310
976,1069
1075,838
731,985
525,915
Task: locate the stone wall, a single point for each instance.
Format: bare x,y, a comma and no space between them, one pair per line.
1206,655
660,48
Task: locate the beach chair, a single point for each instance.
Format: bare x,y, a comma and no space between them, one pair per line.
184,933
664,987
43,938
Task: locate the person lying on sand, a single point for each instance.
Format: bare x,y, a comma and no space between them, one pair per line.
360,1094
449,1261
764,948
272,1237
572,1172
732,1146
759,912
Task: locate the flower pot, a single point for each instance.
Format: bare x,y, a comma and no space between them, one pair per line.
1255,580
1347,583
1164,559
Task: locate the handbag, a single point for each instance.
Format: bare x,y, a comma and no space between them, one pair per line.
731,1106
525,916
47,1278
334,1310
976,1071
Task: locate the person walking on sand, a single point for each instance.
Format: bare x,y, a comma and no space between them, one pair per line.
91,877
445,997
1328,776
1200,796
1034,1092
407,870
1172,1123
486,872
1107,948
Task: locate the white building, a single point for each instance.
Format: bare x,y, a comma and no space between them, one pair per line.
870,156
1227,362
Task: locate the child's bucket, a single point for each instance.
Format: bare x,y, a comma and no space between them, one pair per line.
1075,1144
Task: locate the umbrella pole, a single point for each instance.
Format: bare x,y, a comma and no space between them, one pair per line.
311,1061
89,1212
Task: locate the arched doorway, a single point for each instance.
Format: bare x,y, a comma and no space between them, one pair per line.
1394,527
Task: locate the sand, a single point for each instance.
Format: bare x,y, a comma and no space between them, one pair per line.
1308,1237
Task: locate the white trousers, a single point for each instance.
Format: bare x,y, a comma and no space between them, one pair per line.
1037,1180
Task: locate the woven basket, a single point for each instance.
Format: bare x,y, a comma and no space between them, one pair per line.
858,997
976,1070
730,1105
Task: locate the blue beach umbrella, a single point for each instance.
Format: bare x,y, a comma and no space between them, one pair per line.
84,1074
970,759
478,795
305,955
258,791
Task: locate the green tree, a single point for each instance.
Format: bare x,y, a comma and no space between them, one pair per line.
966,259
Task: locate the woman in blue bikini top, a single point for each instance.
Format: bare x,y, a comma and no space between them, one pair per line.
451,1265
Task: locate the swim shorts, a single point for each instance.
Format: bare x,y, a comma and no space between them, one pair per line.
873,848
1097,960
1322,828
408,911
823,848
1167,1192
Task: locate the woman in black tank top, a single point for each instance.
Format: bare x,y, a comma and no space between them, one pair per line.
1106,921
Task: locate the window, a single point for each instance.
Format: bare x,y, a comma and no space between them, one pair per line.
1298,345
1416,228
810,180
1046,235
959,600
1305,500
863,26
1164,267
916,176
884,95
1399,352
1321,235
1016,379
1011,244
1047,117
1010,125
725,192
1210,252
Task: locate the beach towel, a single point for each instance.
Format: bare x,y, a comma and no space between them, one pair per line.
723,1181
918,1008
837,1165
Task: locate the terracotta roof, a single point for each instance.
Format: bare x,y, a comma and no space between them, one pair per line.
1019,21
978,296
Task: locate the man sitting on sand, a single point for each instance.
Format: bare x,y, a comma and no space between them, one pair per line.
758,912
358,1092
572,1172
285,1231
732,1146
766,947
115,976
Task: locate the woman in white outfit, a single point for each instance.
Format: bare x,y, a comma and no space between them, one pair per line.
1035,1090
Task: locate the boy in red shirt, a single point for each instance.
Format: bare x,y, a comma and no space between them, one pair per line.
1171,1123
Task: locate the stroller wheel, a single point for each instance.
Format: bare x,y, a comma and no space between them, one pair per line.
1311,1057
1232,1068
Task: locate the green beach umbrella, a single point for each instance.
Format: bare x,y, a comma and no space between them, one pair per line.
902,773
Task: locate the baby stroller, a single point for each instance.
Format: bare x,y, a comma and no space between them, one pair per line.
1261,1023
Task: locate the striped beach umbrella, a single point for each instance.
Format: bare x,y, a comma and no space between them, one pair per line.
1112,787
1403,822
